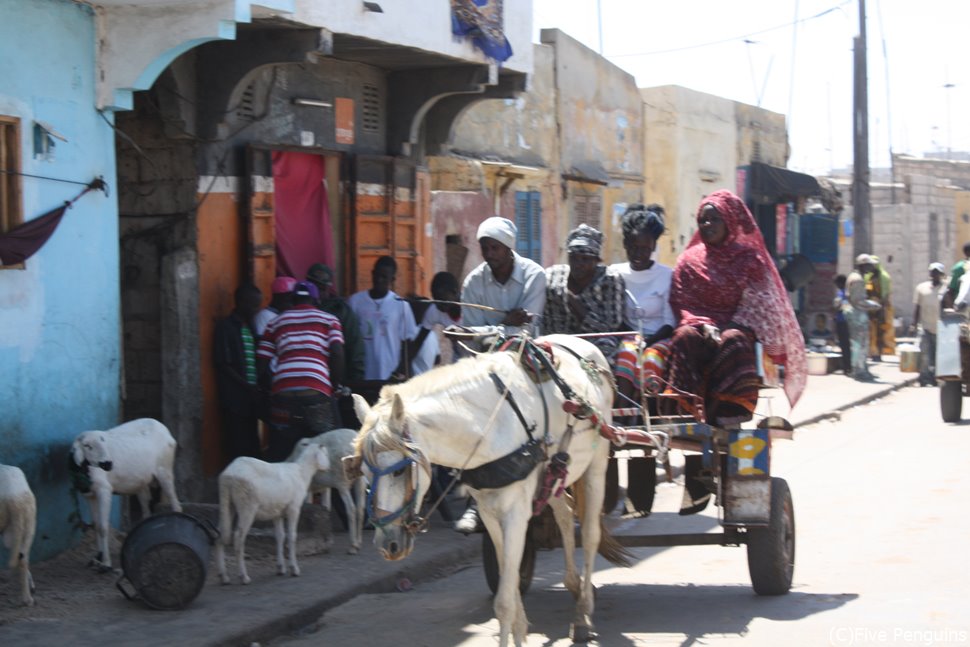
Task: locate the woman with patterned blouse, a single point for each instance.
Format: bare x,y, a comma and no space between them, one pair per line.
584,296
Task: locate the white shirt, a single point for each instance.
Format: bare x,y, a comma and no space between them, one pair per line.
648,296
262,319
928,299
427,354
384,324
434,317
525,288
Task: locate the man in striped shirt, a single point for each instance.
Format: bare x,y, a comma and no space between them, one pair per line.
303,348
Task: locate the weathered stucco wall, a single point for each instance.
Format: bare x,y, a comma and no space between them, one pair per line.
691,142
694,143
521,130
59,315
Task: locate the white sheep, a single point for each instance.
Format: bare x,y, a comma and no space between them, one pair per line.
255,489
124,460
339,443
18,521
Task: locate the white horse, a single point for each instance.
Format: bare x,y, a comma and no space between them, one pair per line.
456,416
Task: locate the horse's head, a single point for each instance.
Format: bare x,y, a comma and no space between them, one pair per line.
398,472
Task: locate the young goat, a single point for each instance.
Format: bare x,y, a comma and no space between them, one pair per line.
124,460
339,443
264,491
18,520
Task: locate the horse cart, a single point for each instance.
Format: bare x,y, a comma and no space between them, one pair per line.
952,363
732,466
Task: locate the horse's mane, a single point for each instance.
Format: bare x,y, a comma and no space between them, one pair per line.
452,380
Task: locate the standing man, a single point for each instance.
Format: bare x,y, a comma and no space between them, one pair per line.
857,311
304,347
386,324
926,315
513,285
234,354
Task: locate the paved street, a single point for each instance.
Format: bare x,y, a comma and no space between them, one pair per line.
880,504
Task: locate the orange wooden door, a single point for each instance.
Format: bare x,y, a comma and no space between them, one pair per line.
260,221
390,202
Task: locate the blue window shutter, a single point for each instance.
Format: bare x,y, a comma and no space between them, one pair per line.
528,220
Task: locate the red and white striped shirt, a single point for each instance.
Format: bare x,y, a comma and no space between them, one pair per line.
298,344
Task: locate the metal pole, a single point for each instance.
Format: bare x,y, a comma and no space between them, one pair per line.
599,23
862,236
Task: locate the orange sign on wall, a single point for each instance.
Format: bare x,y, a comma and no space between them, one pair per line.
344,120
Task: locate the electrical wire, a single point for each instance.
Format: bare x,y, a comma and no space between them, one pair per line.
734,38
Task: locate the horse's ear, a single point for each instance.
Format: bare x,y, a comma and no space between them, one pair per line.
397,411
361,408
351,466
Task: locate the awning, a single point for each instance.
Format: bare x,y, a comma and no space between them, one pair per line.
780,184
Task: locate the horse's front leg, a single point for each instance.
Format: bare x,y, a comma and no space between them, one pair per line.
562,509
508,536
594,488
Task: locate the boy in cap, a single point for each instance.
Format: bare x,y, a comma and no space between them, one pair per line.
304,346
282,289
926,315
515,286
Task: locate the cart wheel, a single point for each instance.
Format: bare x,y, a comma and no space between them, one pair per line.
526,568
771,550
951,400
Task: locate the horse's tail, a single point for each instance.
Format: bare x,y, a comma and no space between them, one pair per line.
610,549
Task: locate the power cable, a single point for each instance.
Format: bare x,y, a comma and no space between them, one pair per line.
734,38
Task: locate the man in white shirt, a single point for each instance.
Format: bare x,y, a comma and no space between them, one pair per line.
926,314
386,323
515,286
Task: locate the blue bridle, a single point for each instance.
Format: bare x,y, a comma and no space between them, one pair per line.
377,473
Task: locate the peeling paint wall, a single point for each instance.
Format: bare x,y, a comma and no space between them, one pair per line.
59,315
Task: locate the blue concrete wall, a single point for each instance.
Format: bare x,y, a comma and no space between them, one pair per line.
59,317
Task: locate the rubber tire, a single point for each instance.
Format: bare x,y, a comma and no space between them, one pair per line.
951,400
526,568
771,549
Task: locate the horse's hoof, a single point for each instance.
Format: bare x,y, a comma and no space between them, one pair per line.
581,633
224,580
296,572
245,580
353,550
104,568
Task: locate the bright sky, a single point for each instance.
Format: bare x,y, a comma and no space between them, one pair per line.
803,70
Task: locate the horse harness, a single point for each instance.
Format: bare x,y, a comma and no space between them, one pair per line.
538,362
514,466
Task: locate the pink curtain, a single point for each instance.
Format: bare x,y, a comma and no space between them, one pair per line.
303,232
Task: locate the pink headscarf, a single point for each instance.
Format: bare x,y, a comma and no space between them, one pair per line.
737,282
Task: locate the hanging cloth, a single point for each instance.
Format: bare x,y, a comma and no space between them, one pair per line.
481,20
23,241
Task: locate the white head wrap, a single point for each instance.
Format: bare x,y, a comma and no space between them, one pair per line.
501,229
